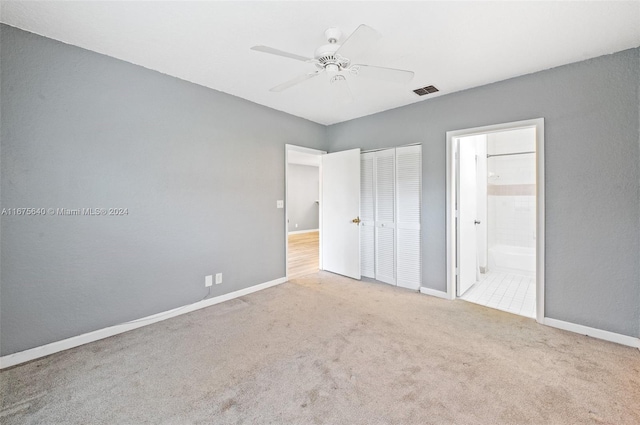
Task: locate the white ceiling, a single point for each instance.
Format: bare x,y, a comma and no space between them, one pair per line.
452,45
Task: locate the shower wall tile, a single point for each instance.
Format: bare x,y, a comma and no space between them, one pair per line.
511,189
512,221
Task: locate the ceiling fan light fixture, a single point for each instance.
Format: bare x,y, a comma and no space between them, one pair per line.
332,70
341,93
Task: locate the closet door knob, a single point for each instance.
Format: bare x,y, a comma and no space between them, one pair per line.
356,220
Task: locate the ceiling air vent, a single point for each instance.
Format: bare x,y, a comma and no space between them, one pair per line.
425,90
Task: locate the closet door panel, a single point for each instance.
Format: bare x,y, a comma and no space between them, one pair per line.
408,183
385,254
385,215
367,215
409,261
408,191
367,251
385,186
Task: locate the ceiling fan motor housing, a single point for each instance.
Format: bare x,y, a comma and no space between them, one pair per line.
326,56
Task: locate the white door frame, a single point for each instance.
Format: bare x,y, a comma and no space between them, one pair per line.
451,188
302,149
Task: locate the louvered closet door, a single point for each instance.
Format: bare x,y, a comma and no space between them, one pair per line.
408,192
384,169
367,215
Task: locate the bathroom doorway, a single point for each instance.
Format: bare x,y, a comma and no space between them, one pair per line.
496,217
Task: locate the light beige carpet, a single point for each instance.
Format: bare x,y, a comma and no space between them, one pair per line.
329,350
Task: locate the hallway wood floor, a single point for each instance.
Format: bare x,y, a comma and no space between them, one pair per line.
304,253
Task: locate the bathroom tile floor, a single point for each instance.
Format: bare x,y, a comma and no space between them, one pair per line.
511,292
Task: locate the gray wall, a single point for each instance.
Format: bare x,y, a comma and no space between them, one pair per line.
591,164
200,172
304,191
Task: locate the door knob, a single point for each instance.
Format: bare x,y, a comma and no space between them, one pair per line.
356,220
476,222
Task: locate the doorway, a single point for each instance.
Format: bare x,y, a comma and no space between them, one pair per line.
495,217
302,210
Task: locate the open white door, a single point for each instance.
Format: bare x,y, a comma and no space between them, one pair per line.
467,210
340,213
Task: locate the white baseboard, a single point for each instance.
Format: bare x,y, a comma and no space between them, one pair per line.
593,332
65,344
299,232
434,292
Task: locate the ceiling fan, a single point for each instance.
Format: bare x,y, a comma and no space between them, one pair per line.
336,60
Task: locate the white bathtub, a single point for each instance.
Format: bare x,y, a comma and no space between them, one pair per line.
512,258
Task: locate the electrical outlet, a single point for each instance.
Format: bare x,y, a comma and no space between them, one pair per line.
279,204
208,280
296,225
218,278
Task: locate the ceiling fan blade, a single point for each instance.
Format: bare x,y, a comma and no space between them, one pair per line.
380,73
271,50
360,41
341,89
297,80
